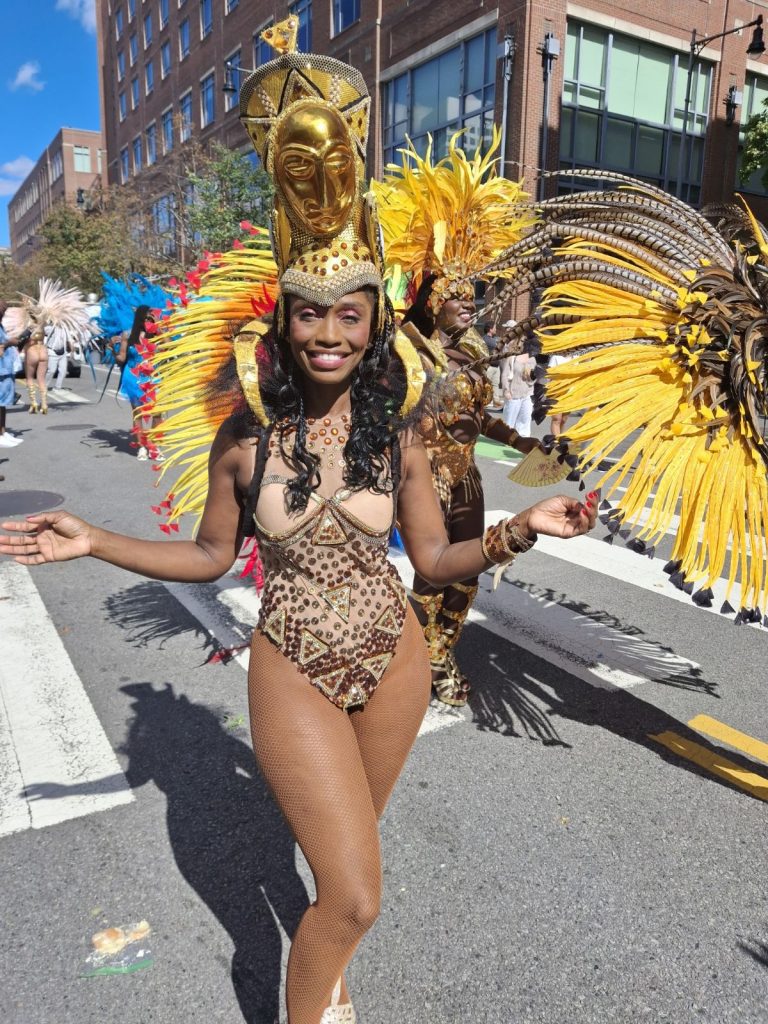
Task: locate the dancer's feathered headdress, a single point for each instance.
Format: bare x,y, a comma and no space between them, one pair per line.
667,317
307,116
122,297
449,219
56,305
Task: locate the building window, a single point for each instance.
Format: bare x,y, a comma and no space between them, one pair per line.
184,39
82,156
149,77
303,8
752,102
122,106
162,224
623,107
133,47
134,93
125,165
57,166
262,52
207,100
131,9
120,65
151,139
206,17
166,127
163,13
147,29
185,109
231,99
165,60
345,13
230,6
118,23
137,154
455,90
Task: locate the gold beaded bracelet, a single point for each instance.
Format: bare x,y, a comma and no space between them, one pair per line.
502,543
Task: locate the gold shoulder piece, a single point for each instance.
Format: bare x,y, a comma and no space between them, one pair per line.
429,347
415,374
472,344
246,357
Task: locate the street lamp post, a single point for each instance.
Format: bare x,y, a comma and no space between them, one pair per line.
755,48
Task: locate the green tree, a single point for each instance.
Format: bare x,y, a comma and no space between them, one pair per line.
226,189
755,154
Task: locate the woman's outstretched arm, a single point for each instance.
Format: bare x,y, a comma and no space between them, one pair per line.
441,563
60,536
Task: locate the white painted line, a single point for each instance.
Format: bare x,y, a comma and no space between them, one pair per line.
65,763
67,398
228,610
624,565
582,646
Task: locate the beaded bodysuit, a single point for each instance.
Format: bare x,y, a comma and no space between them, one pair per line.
332,602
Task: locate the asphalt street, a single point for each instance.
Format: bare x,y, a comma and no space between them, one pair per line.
585,844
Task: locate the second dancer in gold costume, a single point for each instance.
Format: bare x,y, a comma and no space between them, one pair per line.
441,224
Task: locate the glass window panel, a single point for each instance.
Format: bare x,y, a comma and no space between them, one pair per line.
400,98
617,151
569,92
649,157
653,80
425,95
586,135
490,55
571,51
449,85
625,57
473,101
474,64
566,134
592,55
590,97
473,133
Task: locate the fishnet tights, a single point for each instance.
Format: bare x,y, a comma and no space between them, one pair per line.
331,774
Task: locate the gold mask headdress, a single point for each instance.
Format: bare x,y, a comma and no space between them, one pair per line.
307,116
450,218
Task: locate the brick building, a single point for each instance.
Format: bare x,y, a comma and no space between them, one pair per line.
613,95
74,160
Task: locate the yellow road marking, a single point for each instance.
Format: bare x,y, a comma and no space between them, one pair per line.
734,738
750,782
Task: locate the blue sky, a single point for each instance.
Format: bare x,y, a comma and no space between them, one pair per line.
49,79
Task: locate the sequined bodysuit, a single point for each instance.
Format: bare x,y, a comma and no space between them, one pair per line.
332,601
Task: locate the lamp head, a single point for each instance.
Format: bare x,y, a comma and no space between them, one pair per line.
757,44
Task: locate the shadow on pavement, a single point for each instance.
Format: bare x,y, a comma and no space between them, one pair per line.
228,837
758,951
513,695
120,441
150,615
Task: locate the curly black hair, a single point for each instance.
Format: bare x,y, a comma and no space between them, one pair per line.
420,313
378,389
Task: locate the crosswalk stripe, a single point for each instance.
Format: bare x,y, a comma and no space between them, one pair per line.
716,764
56,762
67,398
740,740
624,565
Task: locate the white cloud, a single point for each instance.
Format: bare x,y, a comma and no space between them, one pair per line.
83,10
26,77
12,173
18,168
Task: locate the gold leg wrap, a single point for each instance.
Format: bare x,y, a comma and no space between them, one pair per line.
432,605
454,687
43,398
32,389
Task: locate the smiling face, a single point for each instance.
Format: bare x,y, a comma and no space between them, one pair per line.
315,168
328,342
455,316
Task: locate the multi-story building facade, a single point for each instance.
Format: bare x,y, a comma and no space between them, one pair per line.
73,165
599,83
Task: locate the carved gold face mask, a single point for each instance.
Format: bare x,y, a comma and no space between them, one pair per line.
315,168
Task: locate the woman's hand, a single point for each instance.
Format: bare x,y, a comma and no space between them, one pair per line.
559,517
526,444
48,537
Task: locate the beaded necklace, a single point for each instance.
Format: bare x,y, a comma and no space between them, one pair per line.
326,440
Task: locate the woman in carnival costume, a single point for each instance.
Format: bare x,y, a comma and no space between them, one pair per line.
315,451
128,314
54,307
442,223
663,313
